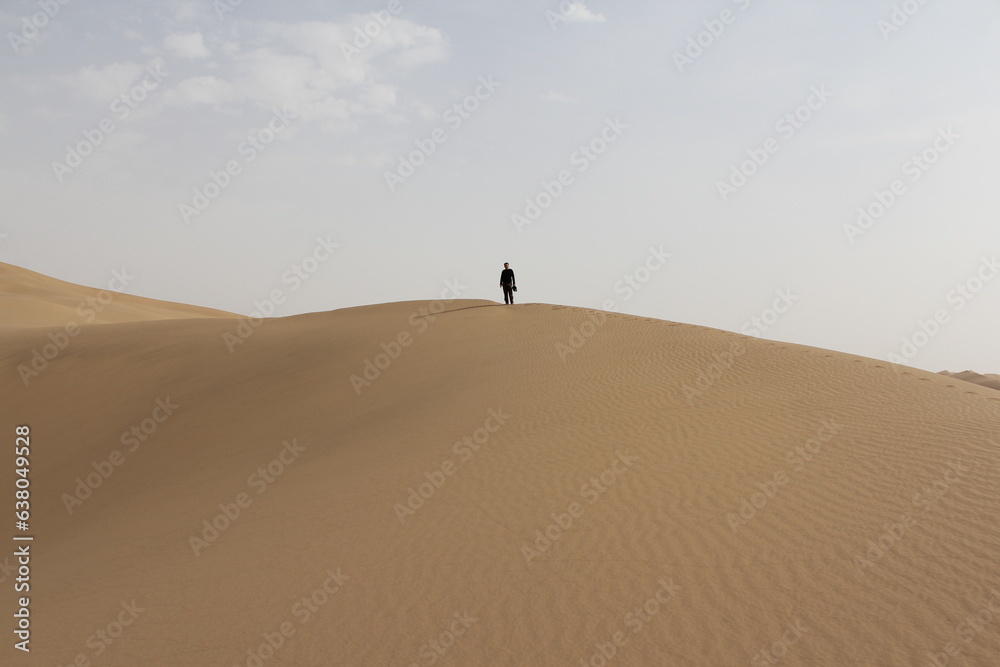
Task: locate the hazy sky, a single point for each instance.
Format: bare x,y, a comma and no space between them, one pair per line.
719,151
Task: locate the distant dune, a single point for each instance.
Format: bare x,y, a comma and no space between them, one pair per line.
29,299
467,483
989,380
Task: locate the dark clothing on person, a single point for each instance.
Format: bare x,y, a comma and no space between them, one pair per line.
508,294
507,282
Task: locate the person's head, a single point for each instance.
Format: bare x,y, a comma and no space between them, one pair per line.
506,265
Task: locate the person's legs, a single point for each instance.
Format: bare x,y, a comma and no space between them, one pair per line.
508,294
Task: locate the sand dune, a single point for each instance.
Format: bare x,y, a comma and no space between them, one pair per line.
494,485
30,299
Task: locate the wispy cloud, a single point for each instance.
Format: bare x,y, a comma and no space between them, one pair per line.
304,64
102,83
578,11
190,45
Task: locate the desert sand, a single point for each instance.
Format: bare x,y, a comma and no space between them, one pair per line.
487,485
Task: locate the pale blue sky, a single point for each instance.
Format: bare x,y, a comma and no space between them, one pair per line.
565,71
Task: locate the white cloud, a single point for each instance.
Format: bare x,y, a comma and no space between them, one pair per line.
304,65
103,83
379,97
266,76
401,44
559,98
269,79
201,90
579,12
189,11
425,111
414,45
190,45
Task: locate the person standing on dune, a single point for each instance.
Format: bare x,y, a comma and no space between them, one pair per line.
508,283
